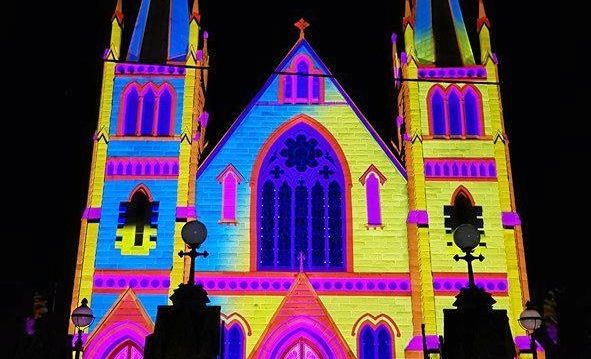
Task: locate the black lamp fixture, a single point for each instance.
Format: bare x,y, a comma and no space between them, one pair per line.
82,317
530,320
194,234
467,238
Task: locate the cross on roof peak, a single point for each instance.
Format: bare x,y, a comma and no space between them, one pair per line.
302,25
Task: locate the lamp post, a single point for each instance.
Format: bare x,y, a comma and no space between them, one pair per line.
81,317
530,320
194,234
467,238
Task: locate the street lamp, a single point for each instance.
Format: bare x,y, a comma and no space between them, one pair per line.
81,317
194,234
530,320
467,238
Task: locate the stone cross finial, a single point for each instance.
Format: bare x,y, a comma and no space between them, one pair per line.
301,258
302,25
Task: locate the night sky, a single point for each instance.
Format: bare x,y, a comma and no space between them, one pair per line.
52,71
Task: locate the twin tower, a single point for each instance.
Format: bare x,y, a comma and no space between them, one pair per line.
324,242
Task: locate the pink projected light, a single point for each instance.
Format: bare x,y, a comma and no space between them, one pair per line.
155,282
229,178
450,169
372,193
149,70
109,340
302,328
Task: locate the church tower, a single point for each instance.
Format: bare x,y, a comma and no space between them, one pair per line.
149,138
457,160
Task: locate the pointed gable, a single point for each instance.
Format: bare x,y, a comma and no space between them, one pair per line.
301,315
332,119
126,320
334,93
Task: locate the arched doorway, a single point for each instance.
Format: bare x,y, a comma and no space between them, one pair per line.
127,350
302,349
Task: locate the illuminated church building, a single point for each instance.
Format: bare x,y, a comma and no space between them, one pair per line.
324,242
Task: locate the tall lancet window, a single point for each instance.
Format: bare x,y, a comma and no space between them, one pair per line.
165,111
131,102
300,204
472,112
454,111
437,107
138,223
373,179
148,106
229,179
302,83
462,210
302,79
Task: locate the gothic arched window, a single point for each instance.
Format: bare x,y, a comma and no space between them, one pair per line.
229,178
301,204
375,343
454,110
132,99
437,103
372,179
138,222
233,341
304,83
148,107
302,80
165,111
462,211
472,112
302,349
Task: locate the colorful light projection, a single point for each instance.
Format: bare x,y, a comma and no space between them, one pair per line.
296,238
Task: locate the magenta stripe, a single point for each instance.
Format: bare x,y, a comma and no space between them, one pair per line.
420,217
510,219
92,213
471,72
280,284
444,285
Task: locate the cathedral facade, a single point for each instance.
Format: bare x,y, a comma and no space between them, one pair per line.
325,242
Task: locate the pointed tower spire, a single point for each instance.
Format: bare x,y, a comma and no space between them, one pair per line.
482,18
116,31
118,14
461,33
409,17
483,27
194,31
195,15
408,25
424,40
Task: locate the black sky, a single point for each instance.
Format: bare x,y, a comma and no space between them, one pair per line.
51,72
